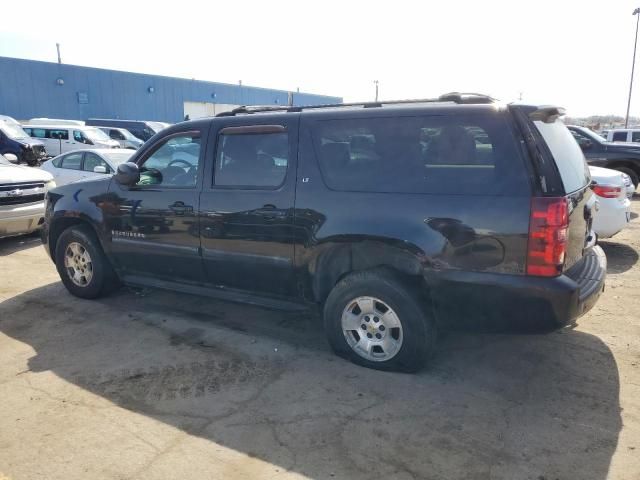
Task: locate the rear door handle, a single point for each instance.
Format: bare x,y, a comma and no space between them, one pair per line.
179,208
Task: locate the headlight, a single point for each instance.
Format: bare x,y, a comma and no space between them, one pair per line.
49,185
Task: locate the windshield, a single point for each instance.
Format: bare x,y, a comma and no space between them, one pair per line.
96,134
127,134
117,157
156,126
13,131
591,134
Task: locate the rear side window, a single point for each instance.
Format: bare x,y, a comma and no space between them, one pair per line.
619,136
58,134
567,154
73,161
452,154
635,137
257,160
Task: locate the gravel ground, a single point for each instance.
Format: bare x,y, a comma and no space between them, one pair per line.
154,385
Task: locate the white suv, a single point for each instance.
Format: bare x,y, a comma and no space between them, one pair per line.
22,191
624,135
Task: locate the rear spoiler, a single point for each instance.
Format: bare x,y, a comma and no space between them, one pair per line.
547,114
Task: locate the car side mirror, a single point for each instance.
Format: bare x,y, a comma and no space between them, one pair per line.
127,174
100,169
11,157
586,144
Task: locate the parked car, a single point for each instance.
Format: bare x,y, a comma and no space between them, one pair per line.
614,208
85,164
22,191
601,153
624,135
54,121
630,187
14,140
385,215
141,129
59,139
123,137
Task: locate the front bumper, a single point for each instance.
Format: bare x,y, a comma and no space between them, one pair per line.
518,300
19,220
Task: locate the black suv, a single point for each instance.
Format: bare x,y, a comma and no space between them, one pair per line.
395,217
624,157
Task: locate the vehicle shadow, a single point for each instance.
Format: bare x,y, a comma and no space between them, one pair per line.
620,257
265,384
11,245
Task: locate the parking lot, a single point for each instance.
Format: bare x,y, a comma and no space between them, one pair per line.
150,384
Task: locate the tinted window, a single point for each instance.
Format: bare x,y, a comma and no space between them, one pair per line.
73,161
58,134
619,136
567,154
252,160
456,155
91,161
174,163
635,137
116,135
36,132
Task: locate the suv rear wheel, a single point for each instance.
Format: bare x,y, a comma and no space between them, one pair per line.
82,265
377,320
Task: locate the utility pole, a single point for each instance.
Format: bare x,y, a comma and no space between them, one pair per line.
636,13
58,48
376,83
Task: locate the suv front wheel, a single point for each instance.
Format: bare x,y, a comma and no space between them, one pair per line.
82,265
377,320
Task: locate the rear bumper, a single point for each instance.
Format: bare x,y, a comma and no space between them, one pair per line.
471,297
612,216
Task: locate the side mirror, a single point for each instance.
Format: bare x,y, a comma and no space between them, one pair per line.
100,169
586,144
11,157
127,174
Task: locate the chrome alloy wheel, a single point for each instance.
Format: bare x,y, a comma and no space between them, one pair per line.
372,329
77,263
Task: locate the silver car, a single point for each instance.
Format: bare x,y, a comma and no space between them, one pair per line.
22,191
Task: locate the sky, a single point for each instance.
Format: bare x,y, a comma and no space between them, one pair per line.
577,54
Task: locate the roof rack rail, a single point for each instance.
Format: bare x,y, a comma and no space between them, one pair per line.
455,97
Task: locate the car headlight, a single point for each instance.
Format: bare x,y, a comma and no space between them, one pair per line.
49,185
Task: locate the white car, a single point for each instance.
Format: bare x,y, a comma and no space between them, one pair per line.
58,139
123,136
613,210
22,191
85,164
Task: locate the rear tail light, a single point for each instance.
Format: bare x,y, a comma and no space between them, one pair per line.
607,191
547,245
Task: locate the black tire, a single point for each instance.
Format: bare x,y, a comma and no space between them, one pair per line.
407,302
103,277
633,175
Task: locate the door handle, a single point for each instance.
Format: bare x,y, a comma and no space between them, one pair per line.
270,212
179,208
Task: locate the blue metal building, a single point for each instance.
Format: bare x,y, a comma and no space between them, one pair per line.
31,89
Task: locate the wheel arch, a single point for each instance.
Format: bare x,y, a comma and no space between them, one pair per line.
60,224
630,164
336,260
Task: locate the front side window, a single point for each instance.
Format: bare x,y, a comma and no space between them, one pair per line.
452,154
254,160
91,161
116,135
72,161
174,163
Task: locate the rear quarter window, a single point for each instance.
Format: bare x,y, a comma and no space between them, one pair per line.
473,154
567,154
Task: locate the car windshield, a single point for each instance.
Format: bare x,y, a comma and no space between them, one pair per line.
96,134
593,136
13,131
115,158
156,126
